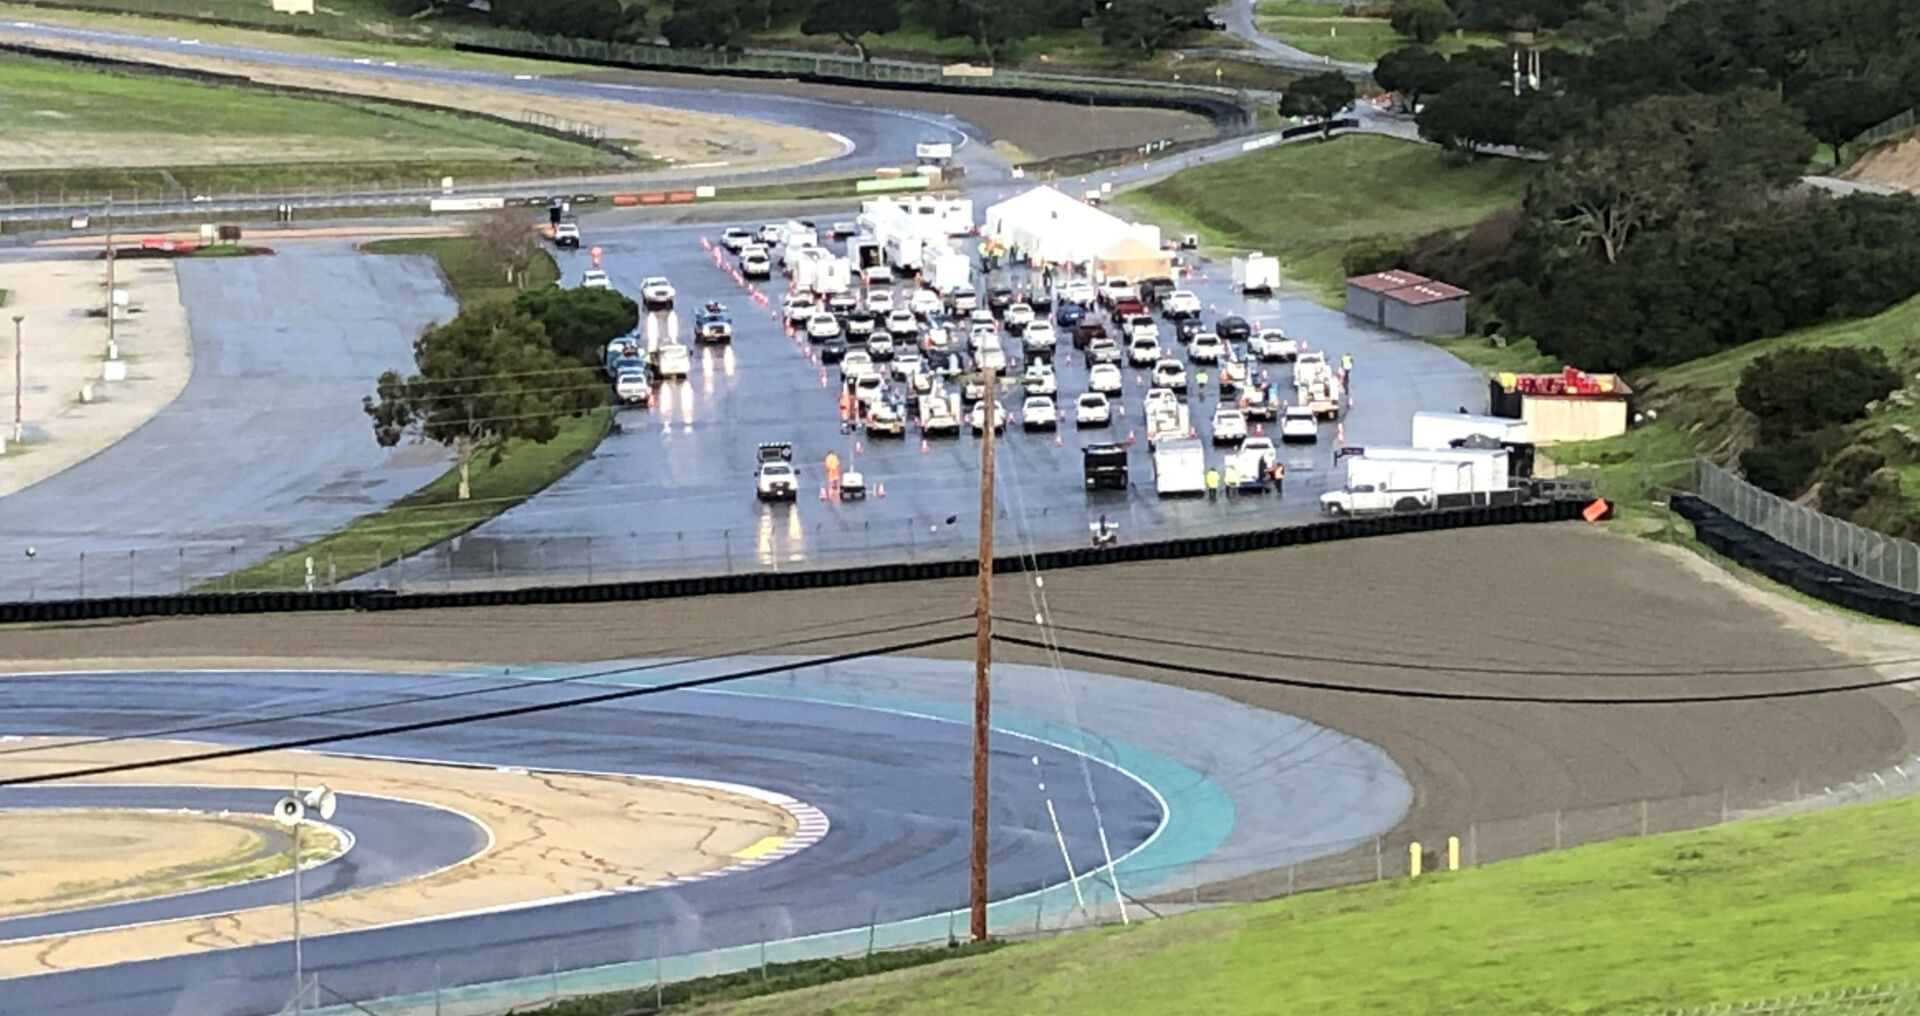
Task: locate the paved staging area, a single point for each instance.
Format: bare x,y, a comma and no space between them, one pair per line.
673,490
547,835
266,445
64,352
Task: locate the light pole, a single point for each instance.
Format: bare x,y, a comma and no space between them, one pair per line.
19,378
291,811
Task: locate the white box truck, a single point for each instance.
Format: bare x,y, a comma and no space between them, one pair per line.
947,271
1454,478
903,252
1180,467
1256,273
1445,430
832,275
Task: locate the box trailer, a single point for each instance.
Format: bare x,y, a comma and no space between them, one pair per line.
1459,477
1256,273
946,272
1180,466
1440,430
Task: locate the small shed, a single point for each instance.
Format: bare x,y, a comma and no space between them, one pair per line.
1569,406
1408,303
1426,310
1366,293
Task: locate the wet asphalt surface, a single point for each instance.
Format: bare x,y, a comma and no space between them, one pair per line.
266,444
673,489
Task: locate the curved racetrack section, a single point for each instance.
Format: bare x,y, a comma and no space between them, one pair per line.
1177,760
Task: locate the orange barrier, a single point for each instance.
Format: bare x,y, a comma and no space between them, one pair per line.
653,199
678,197
624,200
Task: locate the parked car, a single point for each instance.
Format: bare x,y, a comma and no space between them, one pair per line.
1039,379
1298,425
756,264
1106,379
1092,409
880,301
594,278
656,293
1103,350
1271,345
860,324
797,308
902,324
1170,373
833,349
1180,303
1206,348
880,346
1143,352
736,238
1038,339
977,417
1018,316
1229,425
1233,328
1039,413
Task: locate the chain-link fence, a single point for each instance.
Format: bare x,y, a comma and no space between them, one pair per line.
1902,999
1130,893
1893,126
1877,557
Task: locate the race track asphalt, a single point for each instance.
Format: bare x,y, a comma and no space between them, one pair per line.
874,135
392,841
892,782
673,490
266,445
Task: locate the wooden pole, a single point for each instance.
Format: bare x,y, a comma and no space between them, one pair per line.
983,666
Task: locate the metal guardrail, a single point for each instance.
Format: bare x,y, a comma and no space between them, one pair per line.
1876,557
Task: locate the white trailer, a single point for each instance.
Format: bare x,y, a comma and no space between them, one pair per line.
1256,273
947,271
1442,430
832,274
1447,471
1180,466
903,252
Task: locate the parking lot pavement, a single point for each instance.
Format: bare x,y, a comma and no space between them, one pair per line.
265,446
673,489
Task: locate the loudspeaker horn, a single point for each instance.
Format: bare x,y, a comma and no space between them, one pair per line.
321,801
289,811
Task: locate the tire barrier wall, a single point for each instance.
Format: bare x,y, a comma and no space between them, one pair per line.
190,605
1221,111
1756,551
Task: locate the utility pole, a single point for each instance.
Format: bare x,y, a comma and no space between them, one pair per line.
19,379
299,957
983,665
113,348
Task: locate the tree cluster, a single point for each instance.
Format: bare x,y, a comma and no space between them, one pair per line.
1801,398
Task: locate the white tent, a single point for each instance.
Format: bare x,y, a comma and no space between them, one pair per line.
1053,227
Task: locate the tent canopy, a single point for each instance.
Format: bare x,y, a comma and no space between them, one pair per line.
1134,258
1054,227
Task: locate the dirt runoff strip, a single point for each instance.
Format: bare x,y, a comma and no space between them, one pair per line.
674,135
552,835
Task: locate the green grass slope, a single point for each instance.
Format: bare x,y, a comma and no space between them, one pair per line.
1750,910
1308,203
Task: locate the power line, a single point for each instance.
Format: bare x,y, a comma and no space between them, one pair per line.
1475,669
479,717
1457,696
213,727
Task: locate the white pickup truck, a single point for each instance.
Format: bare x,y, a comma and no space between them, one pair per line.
1372,499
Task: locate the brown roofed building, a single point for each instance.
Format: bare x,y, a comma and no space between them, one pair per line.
1407,303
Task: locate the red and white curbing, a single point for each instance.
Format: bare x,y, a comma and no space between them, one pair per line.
811,826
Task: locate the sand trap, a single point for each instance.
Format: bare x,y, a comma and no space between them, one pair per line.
65,349
553,835
58,860
671,134
1896,164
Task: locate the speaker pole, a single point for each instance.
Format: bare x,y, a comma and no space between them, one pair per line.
299,972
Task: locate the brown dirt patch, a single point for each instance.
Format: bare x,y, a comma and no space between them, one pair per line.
1896,164
1038,128
553,835
674,135
59,859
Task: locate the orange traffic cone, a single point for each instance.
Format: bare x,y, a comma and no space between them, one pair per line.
1129,437
879,490
856,448
924,448
1340,433
1259,431
704,244
823,493
1056,439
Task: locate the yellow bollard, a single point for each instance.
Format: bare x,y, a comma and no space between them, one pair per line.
1413,860
1453,853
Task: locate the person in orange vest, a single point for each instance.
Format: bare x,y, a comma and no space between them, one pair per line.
833,471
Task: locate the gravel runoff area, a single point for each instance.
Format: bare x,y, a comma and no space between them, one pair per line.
1037,128
673,135
551,835
65,350
1547,606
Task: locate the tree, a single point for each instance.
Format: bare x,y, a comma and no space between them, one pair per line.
1672,161
1838,109
481,379
1148,26
1471,115
579,322
1413,72
1423,21
1319,97
991,24
707,24
505,240
850,20
1799,390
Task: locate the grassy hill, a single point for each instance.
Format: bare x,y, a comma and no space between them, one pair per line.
1751,910
1309,203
